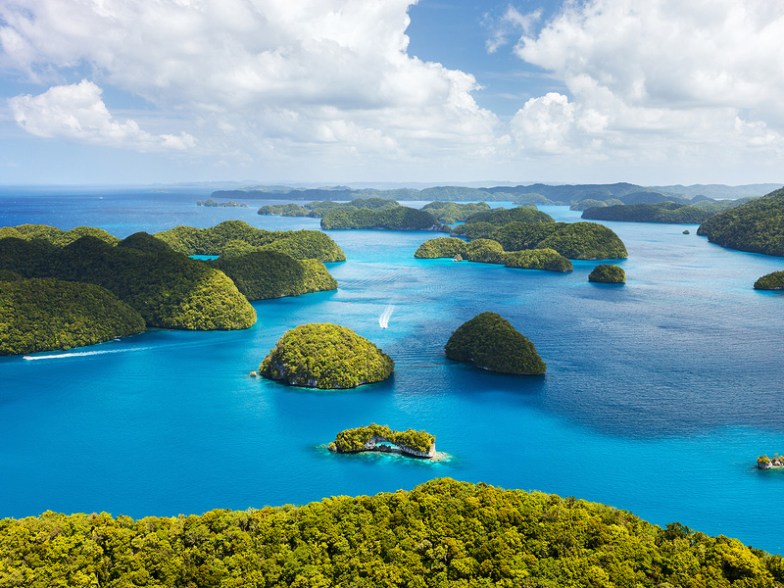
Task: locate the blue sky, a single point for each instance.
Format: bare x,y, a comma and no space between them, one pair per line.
341,91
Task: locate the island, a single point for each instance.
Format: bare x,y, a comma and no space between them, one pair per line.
380,438
326,356
394,217
756,226
209,202
660,212
261,275
44,314
607,274
490,251
166,288
240,236
772,281
440,533
766,463
490,342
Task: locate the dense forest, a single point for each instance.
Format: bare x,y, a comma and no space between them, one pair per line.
166,288
490,342
238,236
772,281
396,218
756,226
42,314
327,356
489,251
607,274
440,534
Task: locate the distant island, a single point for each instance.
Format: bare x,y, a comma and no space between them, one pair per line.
607,274
326,356
380,438
524,194
772,281
766,463
393,217
756,226
662,212
214,203
490,342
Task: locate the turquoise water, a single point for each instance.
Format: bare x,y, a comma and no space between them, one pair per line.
658,398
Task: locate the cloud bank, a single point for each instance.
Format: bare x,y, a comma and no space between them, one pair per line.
318,85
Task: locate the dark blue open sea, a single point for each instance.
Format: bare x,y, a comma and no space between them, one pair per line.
658,398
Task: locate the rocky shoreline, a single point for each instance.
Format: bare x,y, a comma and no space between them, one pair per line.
378,445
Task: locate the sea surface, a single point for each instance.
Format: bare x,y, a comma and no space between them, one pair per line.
659,394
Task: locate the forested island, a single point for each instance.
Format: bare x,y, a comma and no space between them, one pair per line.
607,274
326,356
489,251
756,226
490,342
147,281
772,281
441,533
381,438
663,212
210,203
42,314
525,227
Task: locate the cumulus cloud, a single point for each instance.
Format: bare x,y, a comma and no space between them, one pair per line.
260,78
77,111
512,22
662,78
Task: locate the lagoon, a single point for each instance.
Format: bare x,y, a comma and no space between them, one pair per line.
659,395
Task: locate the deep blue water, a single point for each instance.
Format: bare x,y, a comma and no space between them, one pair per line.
658,398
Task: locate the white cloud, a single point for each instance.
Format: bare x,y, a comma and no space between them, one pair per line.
77,112
662,79
512,22
263,80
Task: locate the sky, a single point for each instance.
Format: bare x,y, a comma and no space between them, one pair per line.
391,91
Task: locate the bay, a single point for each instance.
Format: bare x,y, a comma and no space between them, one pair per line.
658,398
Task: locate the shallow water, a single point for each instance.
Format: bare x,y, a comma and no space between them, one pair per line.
658,398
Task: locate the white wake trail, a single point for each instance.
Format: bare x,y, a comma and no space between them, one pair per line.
81,354
383,319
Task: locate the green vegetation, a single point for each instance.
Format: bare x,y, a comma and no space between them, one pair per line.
488,251
9,276
366,439
585,241
327,356
587,203
484,251
214,240
442,533
490,342
269,274
45,314
452,212
538,259
398,218
166,288
663,212
501,216
516,236
608,274
529,198
756,226
441,247
285,210
772,281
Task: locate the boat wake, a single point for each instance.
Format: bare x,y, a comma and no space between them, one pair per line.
81,354
383,319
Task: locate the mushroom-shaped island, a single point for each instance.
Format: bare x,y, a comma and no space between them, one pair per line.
490,342
773,281
607,274
326,356
382,439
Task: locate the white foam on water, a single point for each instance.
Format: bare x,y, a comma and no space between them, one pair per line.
81,354
383,319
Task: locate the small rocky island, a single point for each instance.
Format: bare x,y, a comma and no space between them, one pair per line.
490,342
326,356
772,281
607,274
380,438
766,463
